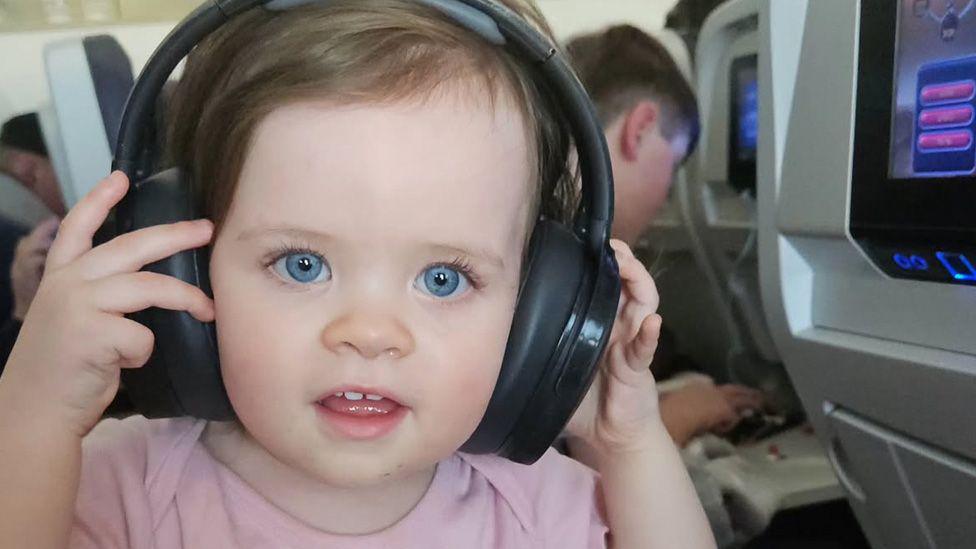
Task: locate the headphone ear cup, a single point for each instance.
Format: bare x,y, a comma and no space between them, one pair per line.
544,316
182,376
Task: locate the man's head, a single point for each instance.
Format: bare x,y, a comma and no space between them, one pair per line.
649,113
23,156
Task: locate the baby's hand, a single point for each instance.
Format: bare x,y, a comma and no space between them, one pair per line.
622,405
75,338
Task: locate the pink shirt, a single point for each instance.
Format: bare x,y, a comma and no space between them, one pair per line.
150,484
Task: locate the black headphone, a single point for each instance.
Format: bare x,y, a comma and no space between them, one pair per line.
567,302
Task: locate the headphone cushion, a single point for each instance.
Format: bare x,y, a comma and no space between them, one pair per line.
543,315
182,376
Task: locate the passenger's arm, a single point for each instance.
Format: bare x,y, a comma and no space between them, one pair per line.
702,407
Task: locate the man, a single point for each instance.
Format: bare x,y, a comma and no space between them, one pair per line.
23,157
650,117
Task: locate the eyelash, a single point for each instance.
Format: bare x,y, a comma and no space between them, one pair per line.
459,263
280,251
462,266
283,250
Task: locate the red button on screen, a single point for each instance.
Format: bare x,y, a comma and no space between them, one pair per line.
945,141
945,117
948,93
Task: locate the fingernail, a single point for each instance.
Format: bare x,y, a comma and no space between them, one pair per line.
114,181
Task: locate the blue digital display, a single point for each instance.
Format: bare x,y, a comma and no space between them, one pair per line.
748,107
910,262
902,261
919,263
958,265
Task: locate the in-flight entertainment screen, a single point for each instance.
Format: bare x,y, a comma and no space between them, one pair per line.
935,85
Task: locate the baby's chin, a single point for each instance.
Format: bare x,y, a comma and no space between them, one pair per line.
350,472
349,464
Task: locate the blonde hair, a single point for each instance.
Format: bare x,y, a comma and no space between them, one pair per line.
348,51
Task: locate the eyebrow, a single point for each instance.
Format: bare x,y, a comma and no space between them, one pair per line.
306,234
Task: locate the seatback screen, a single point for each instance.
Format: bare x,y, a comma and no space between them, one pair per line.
744,122
933,123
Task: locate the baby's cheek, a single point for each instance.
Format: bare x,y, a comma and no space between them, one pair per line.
246,361
474,378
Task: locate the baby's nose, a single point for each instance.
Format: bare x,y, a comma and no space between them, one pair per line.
370,334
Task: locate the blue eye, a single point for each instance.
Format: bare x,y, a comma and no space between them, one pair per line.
304,268
442,281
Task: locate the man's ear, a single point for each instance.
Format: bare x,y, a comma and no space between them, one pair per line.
639,122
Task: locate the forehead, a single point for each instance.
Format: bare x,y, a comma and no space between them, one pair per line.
446,165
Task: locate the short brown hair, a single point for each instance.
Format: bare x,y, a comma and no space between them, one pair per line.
348,51
623,65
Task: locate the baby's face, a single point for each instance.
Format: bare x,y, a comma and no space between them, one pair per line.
372,251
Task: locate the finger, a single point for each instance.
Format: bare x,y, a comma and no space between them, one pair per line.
742,397
45,231
31,247
728,415
79,226
40,251
131,343
34,264
130,252
727,425
620,248
131,292
639,352
637,282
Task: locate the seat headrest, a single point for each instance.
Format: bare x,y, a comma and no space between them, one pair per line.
89,80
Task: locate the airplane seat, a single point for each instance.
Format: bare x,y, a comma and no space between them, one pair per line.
89,80
744,88
720,199
867,241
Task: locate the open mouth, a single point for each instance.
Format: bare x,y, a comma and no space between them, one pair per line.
360,415
359,404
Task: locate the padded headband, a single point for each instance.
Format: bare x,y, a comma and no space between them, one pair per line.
495,23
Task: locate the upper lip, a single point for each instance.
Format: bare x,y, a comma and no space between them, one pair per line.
385,393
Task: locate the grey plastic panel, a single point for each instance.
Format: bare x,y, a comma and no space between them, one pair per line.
932,315
889,380
822,106
916,495
867,465
934,480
